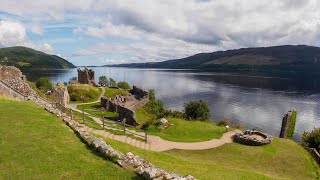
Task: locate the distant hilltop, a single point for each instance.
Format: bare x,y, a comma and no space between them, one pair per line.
27,58
276,58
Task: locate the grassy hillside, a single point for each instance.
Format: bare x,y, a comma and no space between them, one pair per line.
27,58
283,159
35,144
282,58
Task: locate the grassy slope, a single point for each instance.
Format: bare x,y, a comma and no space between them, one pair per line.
182,130
36,144
90,92
23,57
282,159
112,92
94,107
189,131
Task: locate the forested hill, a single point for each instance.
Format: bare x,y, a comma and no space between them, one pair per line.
286,58
27,58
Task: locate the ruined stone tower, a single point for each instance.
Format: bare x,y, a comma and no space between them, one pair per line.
288,124
86,76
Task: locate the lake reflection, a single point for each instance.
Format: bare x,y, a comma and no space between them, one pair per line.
253,102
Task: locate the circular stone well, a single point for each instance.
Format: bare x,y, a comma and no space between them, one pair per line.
252,138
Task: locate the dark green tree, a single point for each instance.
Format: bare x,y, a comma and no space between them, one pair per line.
112,83
103,81
312,139
44,84
124,85
197,110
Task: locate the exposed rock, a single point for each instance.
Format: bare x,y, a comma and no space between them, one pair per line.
163,121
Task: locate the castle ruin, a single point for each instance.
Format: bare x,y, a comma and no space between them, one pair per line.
288,124
60,94
86,76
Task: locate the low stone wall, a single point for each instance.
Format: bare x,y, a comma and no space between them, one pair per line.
130,161
248,138
124,113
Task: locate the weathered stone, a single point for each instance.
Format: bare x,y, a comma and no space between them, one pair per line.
86,76
163,121
252,138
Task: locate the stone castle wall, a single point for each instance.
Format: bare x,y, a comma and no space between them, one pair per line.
124,113
86,76
61,94
139,93
286,121
12,77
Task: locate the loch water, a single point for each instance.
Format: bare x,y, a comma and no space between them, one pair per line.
252,101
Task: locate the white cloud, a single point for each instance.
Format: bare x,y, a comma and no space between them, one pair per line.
159,29
14,34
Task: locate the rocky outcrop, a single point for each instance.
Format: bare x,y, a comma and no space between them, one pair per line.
252,138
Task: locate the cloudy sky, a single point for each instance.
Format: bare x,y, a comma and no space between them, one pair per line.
96,32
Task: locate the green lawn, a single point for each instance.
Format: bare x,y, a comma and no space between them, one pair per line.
188,131
143,115
283,159
112,92
93,109
83,93
35,144
182,130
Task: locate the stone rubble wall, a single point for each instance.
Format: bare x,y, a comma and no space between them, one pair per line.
13,77
130,161
7,91
246,138
139,93
124,113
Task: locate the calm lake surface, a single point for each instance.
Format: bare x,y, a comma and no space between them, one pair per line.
251,101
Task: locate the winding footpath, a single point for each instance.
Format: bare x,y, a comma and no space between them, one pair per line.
155,143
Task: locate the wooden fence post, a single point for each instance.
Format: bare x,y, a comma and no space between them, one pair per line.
102,120
124,125
83,116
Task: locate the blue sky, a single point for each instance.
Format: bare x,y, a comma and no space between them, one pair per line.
97,32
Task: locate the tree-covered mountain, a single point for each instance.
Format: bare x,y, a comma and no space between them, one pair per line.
283,58
27,58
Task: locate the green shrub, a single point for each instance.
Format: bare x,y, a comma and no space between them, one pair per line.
44,83
312,139
223,123
124,85
103,81
83,93
197,110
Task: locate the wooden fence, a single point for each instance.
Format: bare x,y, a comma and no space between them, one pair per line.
124,126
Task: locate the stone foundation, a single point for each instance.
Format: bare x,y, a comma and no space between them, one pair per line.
252,138
124,112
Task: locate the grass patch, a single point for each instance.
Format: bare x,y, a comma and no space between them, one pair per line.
88,120
292,124
112,92
93,109
83,93
23,64
35,144
188,131
143,115
283,159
